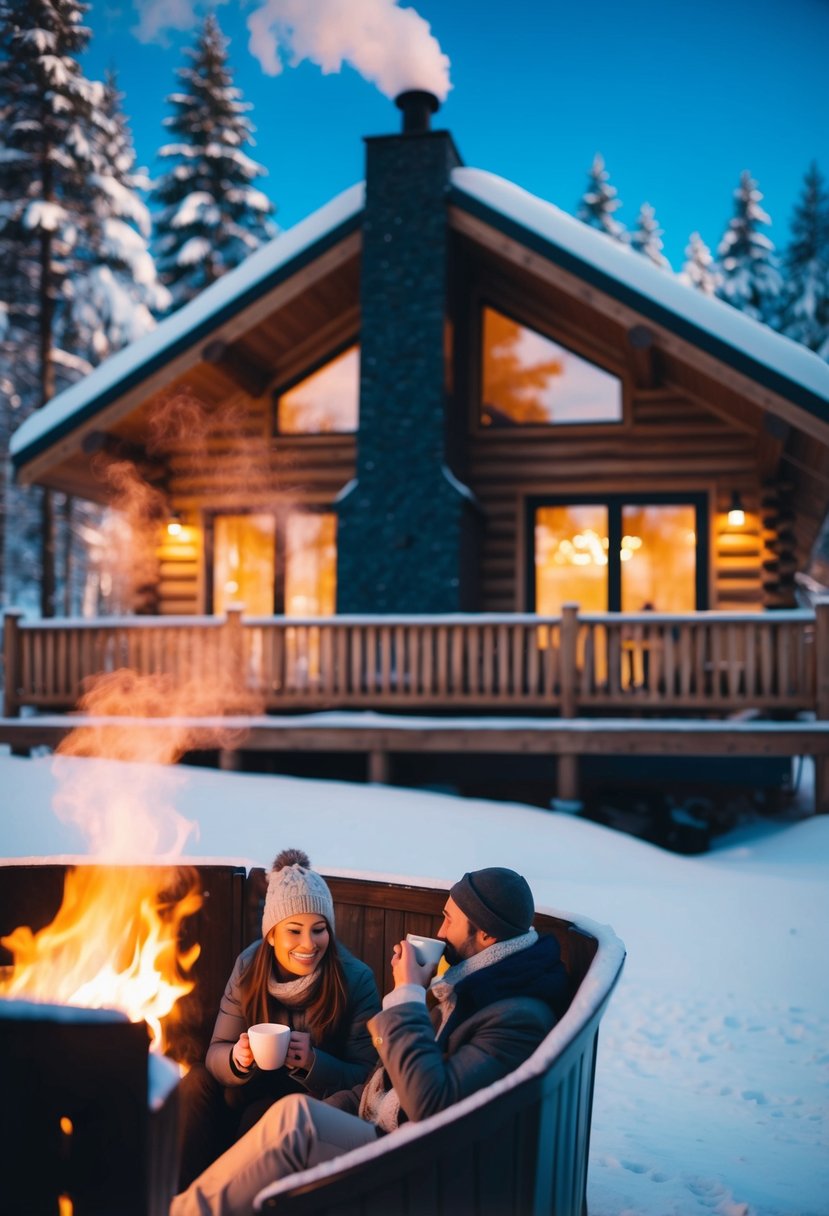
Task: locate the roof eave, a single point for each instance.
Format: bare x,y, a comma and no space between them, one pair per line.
641,303
182,341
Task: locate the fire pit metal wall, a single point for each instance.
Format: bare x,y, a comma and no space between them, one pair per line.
75,1119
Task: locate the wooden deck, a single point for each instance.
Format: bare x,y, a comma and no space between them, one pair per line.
703,684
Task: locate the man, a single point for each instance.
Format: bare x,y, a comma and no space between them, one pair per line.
503,991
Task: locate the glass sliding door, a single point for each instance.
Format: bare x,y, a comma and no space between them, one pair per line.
571,557
244,563
268,565
622,554
311,564
658,558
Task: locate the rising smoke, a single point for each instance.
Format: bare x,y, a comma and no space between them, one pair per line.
391,47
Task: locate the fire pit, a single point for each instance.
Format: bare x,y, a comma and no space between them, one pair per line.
89,1111
88,1118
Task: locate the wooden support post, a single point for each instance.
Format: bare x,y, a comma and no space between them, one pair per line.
378,768
11,663
568,645
567,783
822,701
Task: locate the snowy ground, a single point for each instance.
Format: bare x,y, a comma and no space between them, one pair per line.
712,1089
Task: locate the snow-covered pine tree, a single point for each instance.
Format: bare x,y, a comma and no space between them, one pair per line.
749,274
116,295
646,237
599,202
699,270
212,216
48,110
112,300
805,309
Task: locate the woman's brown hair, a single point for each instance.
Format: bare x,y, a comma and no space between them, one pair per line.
326,1011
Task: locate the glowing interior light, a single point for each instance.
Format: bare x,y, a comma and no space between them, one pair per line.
65,1206
66,1125
736,514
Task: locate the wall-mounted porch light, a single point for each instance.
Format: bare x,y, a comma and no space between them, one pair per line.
174,524
736,513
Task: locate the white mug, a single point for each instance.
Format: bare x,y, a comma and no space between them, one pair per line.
269,1044
427,949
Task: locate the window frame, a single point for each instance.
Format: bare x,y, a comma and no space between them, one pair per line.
528,318
289,382
615,502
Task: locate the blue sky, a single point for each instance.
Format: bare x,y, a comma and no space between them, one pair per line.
679,99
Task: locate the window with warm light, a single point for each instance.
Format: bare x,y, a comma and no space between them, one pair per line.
311,564
571,558
326,401
530,380
619,555
244,559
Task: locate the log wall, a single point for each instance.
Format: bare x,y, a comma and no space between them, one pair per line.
670,444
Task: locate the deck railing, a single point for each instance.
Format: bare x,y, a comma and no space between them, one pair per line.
622,663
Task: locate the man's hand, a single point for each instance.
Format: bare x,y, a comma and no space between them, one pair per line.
406,969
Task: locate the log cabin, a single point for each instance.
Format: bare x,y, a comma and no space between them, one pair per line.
440,401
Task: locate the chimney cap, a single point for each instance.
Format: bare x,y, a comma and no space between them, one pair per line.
417,106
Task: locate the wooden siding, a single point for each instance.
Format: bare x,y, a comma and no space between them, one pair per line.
670,445
241,466
691,424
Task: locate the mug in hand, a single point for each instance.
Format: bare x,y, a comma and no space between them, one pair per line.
427,949
269,1044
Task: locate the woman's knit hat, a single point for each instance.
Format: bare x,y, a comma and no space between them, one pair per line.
293,887
497,900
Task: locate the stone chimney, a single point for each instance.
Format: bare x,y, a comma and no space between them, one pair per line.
402,542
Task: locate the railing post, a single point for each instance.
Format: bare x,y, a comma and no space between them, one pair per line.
568,640
233,654
11,662
567,780
822,700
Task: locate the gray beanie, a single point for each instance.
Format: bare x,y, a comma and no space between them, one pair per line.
293,887
497,900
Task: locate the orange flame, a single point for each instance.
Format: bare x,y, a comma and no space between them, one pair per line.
113,944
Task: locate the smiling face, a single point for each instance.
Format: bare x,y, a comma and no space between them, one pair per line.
299,943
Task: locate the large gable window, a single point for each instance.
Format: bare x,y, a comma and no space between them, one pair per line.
326,401
529,380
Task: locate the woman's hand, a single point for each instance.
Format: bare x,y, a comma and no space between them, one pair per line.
300,1052
242,1054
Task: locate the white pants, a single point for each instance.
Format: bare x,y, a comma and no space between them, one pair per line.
294,1134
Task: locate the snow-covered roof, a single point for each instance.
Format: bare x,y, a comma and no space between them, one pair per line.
745,344
784,366
257,275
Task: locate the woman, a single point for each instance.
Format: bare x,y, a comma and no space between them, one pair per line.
299,975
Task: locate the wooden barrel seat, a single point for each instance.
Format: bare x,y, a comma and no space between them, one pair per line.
518,1147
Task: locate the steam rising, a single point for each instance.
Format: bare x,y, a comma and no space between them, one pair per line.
392,47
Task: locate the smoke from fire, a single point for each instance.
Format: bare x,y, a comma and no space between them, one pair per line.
390,46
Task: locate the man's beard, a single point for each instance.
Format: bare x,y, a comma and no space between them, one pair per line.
456,954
